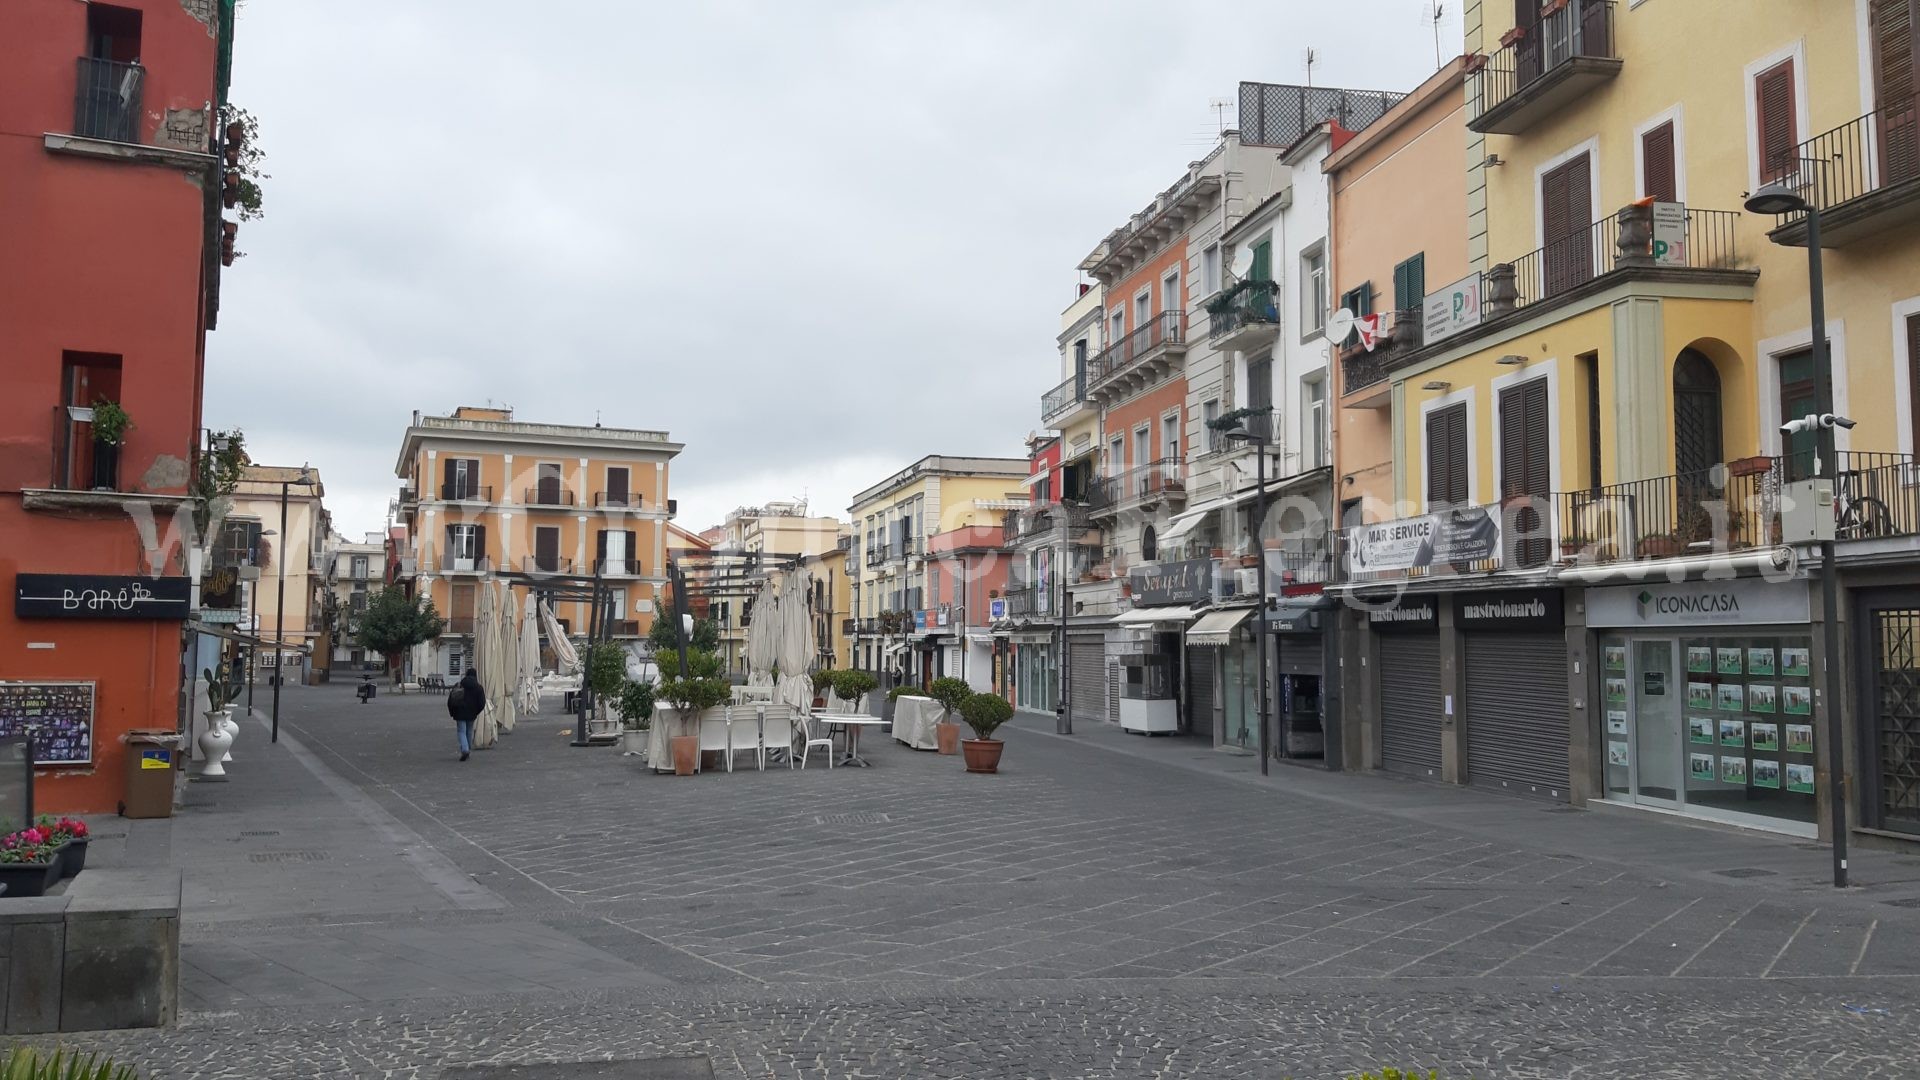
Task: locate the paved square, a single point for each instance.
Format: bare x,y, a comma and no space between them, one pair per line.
361,904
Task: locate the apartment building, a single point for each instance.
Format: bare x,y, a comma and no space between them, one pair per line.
892,521
762,537
110,160
355,569
290,557
1588,435
485,496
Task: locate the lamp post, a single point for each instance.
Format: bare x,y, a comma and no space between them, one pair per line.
1778,198
305,478
1260,437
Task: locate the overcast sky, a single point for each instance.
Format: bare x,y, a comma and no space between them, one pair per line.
812,240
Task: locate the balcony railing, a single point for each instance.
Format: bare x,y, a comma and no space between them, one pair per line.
1061,399
1024,601
545,564
1862,175
1146,482
1163,331
1544,66
106,100
458,492
626,628
461,564
1250,308
1709,512
459,624
627,499
547,495
617,567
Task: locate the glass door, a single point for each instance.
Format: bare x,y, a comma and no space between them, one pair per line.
1655,690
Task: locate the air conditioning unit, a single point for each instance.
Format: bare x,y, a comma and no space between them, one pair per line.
1246,580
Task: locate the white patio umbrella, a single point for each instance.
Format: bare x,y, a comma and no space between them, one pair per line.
563,651
485,630
797,645
507,648
763,637
529,644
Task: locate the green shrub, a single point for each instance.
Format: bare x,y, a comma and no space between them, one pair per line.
950,692
822,680
984,713
635,705
849,685
606,668
25,1063
702,687
909,690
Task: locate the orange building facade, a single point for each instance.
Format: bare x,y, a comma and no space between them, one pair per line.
109,211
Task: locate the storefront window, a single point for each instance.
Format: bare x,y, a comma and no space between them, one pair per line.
1240,693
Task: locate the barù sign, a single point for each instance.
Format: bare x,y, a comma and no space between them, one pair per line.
100,596
1189,581
1467,535
1533,609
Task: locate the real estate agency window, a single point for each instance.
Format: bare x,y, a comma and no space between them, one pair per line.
1776,122
1447,456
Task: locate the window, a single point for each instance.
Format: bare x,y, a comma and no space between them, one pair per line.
1210,269
617,493
460,479
1797,399
1116,456
1142,309
110,76
546,549
358,567
1170,437
1210,412
79,462
466,546
1149,545
1260,396
1358,300
547,493
1315,419
1170,293
1659,175
1313,291
1895,43
1447,456
1566,212
1590,377
1410,284
614,548
1116,327
1913,373
1775,125
1526,475
1043,491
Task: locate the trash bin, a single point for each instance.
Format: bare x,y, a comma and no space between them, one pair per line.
152,757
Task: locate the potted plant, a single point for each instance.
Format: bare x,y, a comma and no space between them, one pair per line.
635,706
606,675
822,685
984,713
949,692
110,424
217,739
71,834
29,862
850,686
703,687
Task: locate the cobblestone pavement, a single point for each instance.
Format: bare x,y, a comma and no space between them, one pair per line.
1084,914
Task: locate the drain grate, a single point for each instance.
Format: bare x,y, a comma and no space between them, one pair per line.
852,819
287,856
1745,872
260,832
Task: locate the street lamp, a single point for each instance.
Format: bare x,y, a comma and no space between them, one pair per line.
1778,198
1260,436
305,479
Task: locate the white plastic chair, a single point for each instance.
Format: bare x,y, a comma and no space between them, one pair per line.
777,731
809,725
744,733
714,732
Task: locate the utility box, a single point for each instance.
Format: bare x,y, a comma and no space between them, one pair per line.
1806,511
152,758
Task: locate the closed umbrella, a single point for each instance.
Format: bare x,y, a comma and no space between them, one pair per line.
563,651
529,644
508,648
485,731
797,644
763,637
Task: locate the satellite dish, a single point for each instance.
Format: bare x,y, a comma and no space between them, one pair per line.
1242,262
1340,325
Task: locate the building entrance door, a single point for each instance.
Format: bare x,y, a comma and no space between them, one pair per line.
1657,719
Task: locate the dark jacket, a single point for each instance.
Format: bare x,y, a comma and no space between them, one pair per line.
468,700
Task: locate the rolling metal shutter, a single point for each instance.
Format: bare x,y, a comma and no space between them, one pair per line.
1301,654
1516,713
1200,665
1113,691
1088,657
1410,703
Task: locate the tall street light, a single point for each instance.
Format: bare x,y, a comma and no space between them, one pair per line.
1777,198
1260,435
304,479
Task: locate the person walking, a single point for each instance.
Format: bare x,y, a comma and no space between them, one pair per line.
465,703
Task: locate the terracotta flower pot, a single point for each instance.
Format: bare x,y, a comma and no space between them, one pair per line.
948,736
686,754
983,755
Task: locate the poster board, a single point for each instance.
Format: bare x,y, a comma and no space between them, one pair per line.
59,714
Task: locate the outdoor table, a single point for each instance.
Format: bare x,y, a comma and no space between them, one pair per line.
853,723
913,721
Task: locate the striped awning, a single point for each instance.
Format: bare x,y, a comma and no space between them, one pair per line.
1217,627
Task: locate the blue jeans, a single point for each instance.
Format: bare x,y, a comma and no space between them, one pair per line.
465,728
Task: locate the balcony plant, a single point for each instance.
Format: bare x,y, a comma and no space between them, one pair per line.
984,713
1507,39
72,835
110,424
950,693
29,862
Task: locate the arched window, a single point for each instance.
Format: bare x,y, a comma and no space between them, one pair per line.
1149,545
1696,414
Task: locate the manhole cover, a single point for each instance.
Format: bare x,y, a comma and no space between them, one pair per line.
1745,872
288,856
852,819
260,832
1911,901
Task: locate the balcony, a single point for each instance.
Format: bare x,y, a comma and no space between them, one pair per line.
1027,601
408,497
626,628
910,547
1864,177
548,495
459,624
617,567
1245,317
464,564
106,100
462,492
1144,487
1567,55
616,500
1060,404
545,564
1363,371
1138,359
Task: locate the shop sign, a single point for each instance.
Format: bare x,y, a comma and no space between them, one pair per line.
1532,609
920,621
1742,602
1187,582
1467,535
1451,309
100,596
1410,613
1295,617
997,608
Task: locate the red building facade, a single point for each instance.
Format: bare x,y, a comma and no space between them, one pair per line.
110,210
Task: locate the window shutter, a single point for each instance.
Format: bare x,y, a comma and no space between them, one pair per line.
446,476
600,545
1657,154
1513,442
1913,370
479,541
1773,93
633,556
1262,268
1896,37
1447,456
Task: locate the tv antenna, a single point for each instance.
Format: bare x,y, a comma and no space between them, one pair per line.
1307,57
1219,106
1434,14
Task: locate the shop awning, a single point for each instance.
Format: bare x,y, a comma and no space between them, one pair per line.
1217,627
1143,615
1186,522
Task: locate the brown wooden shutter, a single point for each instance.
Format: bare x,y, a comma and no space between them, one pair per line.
1773,99
1447,456
1913,374
1657,154
633,553
1896,37
600,545
1566,205
446,474
479,541
1526,469
616,487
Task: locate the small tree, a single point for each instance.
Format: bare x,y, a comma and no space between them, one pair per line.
985,713
705,637
606,669
703,686
635,705
849,685
949,692
395,622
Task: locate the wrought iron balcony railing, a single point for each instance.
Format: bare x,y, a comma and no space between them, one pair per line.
460,492
106,100
548,495
1163,331
1861,175
1543,66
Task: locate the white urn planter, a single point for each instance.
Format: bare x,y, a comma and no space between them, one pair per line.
214,742
232,728
633,741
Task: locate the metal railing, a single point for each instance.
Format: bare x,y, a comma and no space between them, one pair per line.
1062,398
1864,155
466,493
1022,601
617,567
545,495
1145,481
106,100
456,564
1160,331
1275,114
1876,495
459,624
1583,28
1707,512
616,498
545,564
1248,307
1620,241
